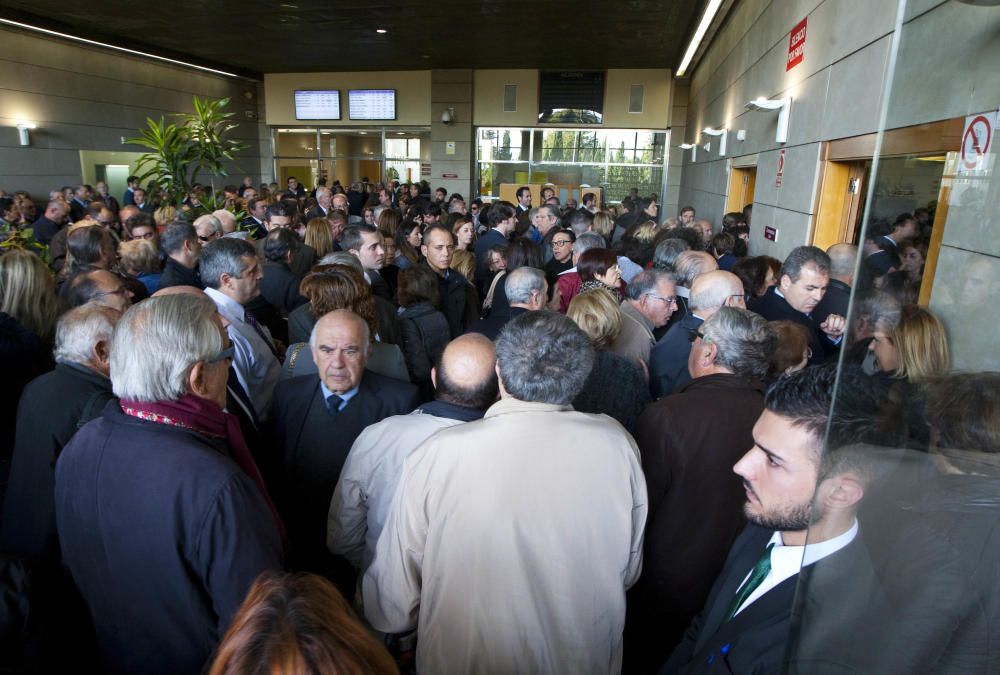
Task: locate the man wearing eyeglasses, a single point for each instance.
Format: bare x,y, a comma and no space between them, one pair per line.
688,466
668,360
651,299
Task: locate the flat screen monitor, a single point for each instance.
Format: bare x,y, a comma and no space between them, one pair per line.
372,104
321,104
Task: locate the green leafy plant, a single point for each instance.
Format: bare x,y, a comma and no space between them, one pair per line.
179,153
25,239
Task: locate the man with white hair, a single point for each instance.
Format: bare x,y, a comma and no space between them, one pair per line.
526,291
324,204
208,227
52,408
227,220
668,360
163,520
651,299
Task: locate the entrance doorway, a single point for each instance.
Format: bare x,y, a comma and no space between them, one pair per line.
841,203
742,182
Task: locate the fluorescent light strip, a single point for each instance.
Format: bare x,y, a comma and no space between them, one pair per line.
120,49
706,21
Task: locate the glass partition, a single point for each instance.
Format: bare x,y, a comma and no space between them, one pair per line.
902,558
616,160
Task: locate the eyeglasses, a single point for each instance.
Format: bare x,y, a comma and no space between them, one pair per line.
561,242
695,334
672,300
227,353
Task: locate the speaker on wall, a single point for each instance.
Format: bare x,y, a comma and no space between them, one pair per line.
510,98
635,93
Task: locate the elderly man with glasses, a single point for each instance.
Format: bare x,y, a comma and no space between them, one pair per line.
651,300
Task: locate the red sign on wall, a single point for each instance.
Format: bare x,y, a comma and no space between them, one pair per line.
770,233
796,45
781,169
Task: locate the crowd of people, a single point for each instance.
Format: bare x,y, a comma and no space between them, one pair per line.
379,429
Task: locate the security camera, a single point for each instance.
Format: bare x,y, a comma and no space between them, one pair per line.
448,116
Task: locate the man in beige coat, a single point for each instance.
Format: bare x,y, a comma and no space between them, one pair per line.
511,540
652,299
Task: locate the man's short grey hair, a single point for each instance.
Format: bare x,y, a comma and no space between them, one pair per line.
715,292
690,264
802,256
667,252
522,282
744,340
176,332
224,256
645,282
843,258
214,224
225,217
321,192
587,241
80,329
580,221
551,208
453,206
544,357
377,211
343,258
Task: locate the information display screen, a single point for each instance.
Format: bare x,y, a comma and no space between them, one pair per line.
372,104
317,104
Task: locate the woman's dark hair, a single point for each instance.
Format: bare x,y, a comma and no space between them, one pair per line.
298,623
753,273
523,252
88,246
793,340
418,284
595,261
723,243
402,243
331,287
389,221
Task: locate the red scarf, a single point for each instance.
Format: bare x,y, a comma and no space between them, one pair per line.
205,417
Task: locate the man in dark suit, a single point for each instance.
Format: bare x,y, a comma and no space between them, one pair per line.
802,283
128,199
78,205
323,204
843,258
315,422
254,221
50,222
298,191
502,220
523,195
279,215
688,465
668,360
459,303
793,489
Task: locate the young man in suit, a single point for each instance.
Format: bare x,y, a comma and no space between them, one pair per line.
794,491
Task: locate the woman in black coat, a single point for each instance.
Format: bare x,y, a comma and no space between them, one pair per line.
424,330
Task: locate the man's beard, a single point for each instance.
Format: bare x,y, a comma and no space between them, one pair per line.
794,518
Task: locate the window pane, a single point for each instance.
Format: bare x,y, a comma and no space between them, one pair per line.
503,144
492,174
295,143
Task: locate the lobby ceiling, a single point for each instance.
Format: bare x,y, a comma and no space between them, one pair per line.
252,37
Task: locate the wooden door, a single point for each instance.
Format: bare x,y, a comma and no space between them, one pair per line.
742,182
841,203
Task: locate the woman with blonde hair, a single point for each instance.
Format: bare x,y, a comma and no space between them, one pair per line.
319,236
465,234
915,349
140,260
616,386
298,624
389,221
604,225
464,262
165,214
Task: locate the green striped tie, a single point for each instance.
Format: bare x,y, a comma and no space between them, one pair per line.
757,576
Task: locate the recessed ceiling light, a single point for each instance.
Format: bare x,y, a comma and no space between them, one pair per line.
400,133
288,5
381,31
426,56
362,132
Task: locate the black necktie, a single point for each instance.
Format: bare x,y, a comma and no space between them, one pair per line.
249,318
333,403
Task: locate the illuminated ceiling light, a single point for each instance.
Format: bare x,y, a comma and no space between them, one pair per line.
692,147
66,36
381,31
782,105
722,133
699,34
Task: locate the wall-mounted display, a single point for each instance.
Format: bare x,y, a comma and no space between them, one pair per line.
371,104
321,104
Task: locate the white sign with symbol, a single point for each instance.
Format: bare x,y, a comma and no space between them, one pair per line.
977,138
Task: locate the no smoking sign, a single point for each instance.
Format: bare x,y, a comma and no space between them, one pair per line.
976,141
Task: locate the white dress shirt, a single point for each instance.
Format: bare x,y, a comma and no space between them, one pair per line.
787,561
256,367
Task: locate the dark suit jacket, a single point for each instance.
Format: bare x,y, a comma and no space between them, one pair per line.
668,360
43,230
483,246
836,300
773,307
313,445
688,465
175,274
302,261
52,408
280,287
77,211
315,212
756,639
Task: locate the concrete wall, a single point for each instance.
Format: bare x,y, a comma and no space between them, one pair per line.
452,89
837,92
88,99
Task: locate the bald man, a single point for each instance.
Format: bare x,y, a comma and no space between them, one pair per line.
843,259
465,385
316,421
668,361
